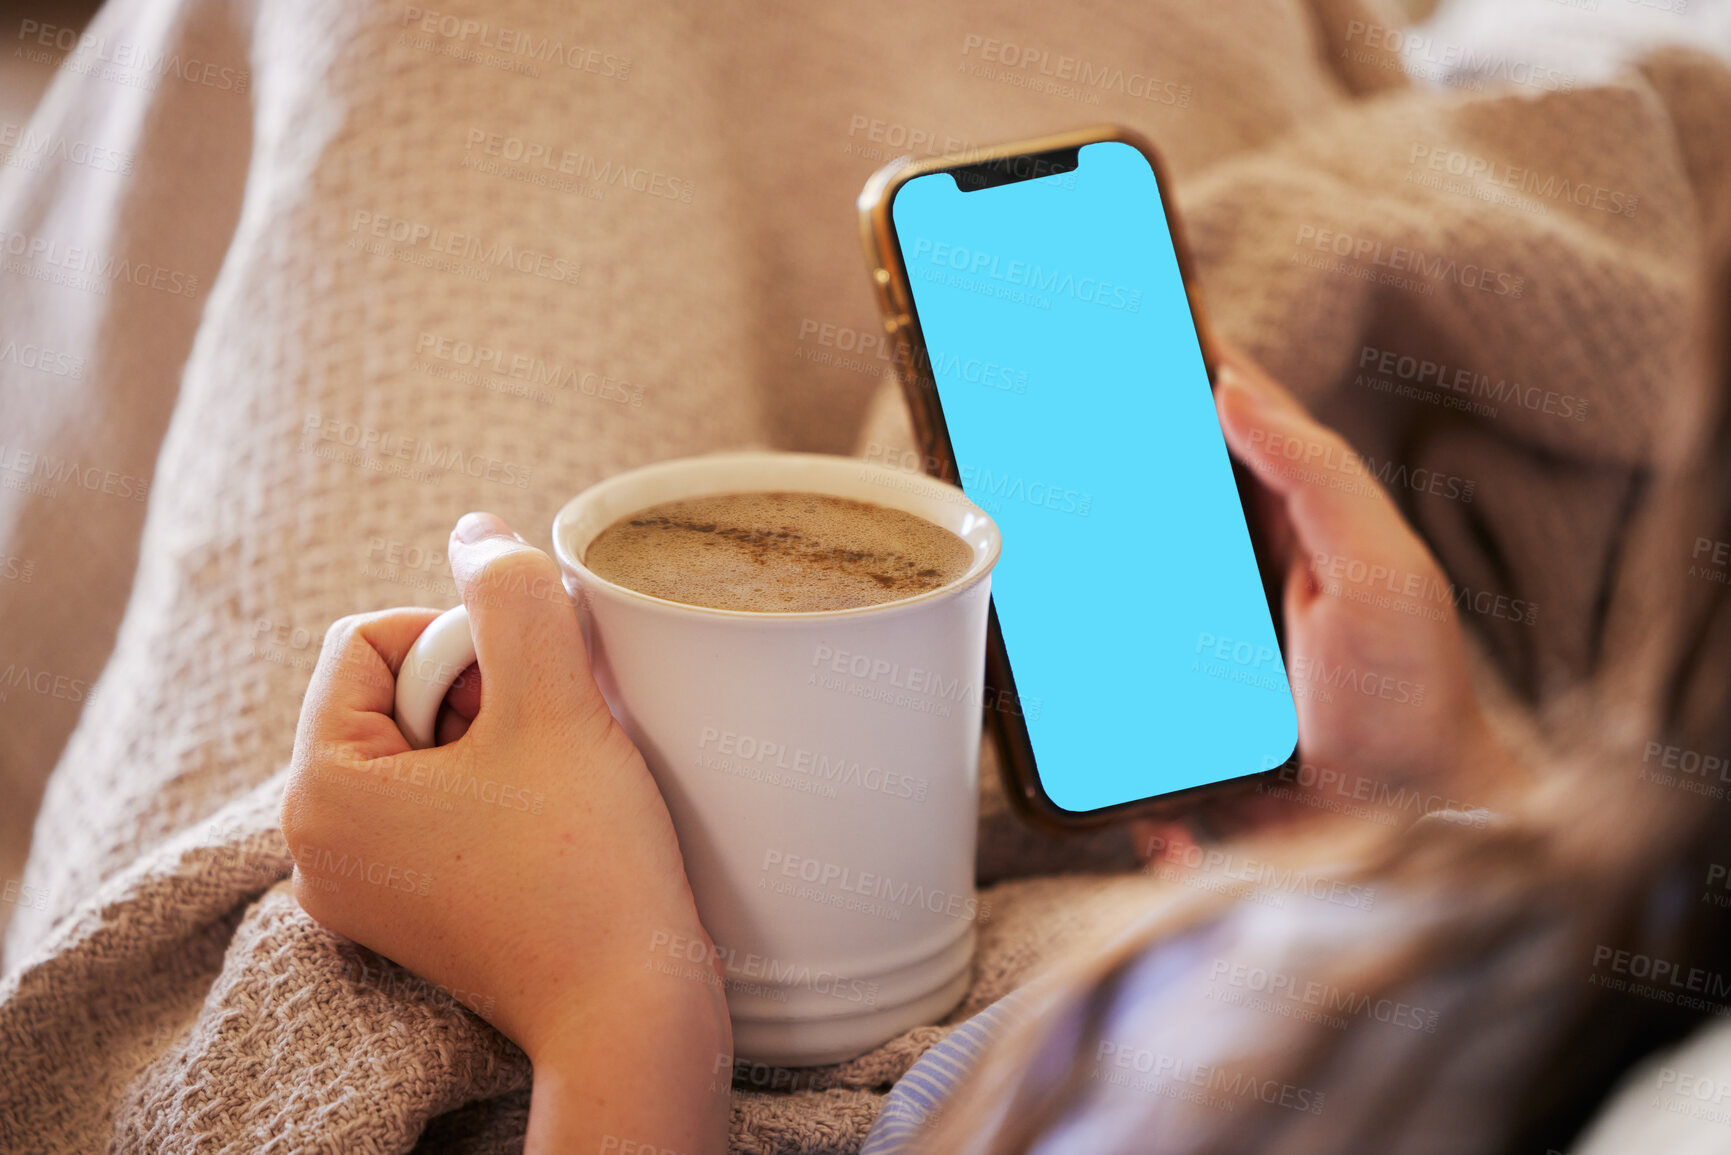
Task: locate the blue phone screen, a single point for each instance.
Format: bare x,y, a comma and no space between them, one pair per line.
1079,410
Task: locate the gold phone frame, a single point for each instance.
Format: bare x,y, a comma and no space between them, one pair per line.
912,367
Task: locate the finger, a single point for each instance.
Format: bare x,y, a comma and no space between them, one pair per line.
449,725
527,640
459,708
1302,588
1269,431
1234,362
1279,540
1265,513
465,694
1157,837
352,694
1333,503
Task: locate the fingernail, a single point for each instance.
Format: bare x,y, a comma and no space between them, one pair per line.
474,527
1227,377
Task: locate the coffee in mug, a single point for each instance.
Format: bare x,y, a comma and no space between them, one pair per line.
777,552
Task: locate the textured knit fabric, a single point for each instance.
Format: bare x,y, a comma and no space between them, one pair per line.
279,305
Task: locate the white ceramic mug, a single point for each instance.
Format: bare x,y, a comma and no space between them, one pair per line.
821,768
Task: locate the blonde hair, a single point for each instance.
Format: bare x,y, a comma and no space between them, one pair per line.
1588,848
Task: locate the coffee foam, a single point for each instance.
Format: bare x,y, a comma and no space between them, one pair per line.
777,552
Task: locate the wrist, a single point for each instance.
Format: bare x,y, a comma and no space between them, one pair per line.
645,1063
664,969
634,1002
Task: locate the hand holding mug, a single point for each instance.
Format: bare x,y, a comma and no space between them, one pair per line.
819,765
524,867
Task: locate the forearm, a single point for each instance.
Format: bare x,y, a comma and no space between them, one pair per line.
643,1070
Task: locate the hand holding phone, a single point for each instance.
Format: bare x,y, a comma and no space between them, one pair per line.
1370,627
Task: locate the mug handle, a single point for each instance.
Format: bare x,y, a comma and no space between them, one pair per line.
445,649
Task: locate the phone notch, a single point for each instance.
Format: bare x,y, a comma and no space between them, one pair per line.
1015,169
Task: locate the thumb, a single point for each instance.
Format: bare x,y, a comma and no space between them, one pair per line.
1334,503
527,641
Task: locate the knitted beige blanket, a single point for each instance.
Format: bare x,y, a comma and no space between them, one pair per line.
277,250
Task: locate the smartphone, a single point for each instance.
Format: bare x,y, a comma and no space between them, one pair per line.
1051,345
